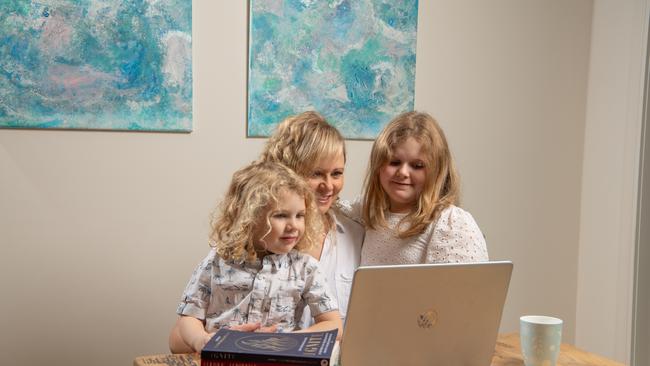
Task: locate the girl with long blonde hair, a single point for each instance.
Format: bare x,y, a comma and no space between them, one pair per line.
410,201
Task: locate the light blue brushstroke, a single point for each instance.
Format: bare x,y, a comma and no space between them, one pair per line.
96,64
353,61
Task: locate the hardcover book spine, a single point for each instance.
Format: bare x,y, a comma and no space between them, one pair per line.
227,358
241,363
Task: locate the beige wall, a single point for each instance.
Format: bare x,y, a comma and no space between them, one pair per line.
610,177
99,231
507,80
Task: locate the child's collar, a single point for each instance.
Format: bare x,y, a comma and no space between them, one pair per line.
275,261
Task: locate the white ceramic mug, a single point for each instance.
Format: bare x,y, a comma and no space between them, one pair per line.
540,339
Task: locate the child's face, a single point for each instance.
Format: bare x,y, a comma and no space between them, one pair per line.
287,221
403,176
327,181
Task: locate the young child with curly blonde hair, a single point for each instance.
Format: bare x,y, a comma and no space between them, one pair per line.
315,149
256,277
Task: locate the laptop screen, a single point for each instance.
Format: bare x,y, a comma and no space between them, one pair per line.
428,314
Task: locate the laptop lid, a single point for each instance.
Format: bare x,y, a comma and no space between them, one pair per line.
427,314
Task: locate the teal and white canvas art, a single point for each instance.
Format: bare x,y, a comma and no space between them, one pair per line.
96,64
353,61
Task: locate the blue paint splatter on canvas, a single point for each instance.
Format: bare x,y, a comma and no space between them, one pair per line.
351,60
96,64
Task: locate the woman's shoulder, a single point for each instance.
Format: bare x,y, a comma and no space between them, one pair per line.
349,209
347,232
344,223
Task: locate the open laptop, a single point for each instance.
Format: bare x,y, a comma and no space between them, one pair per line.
428,314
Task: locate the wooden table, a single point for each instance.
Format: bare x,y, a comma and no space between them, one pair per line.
506,353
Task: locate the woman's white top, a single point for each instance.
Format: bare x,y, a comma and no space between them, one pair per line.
454,237
339,259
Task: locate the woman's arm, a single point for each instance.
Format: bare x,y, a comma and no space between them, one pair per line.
326,321
188,335
176,343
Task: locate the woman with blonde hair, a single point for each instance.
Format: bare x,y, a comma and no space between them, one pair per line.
315,150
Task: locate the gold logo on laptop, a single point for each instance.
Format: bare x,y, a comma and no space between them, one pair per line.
428,319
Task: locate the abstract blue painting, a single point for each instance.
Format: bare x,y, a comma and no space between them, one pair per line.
96,64
351,60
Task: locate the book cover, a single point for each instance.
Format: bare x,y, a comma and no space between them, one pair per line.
231,347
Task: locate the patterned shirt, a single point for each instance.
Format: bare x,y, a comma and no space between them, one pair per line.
272,291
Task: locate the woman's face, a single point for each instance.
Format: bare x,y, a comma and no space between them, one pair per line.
326,180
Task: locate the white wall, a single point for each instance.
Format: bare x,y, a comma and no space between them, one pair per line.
641,317
610,177
99,231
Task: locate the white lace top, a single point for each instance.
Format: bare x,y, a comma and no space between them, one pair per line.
454,237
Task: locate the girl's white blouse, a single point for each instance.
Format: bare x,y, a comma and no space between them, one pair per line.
454,237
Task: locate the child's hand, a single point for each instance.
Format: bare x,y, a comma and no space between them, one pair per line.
248,327
254,327
271,329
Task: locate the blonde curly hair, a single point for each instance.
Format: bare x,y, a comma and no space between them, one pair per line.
302,141
247,205
442,185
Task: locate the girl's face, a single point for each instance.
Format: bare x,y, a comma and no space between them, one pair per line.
326,181
403,176
287,221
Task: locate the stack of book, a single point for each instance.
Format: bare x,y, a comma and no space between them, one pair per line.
234,348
